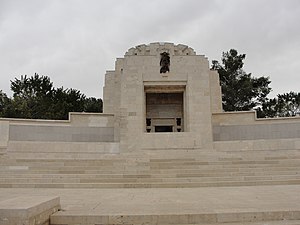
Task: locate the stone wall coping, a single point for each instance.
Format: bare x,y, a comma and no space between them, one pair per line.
57,121
91,114
233,112
255,118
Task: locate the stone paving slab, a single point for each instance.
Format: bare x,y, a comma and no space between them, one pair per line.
27,204
28,210
221,203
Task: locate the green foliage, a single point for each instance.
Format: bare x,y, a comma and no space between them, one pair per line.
32,97
36,98
4,102
284,105
69,100
240,91
93,105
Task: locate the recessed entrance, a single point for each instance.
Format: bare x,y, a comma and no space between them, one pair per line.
163,128
164,112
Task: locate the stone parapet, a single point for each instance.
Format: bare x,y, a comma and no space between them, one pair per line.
234,126
81,127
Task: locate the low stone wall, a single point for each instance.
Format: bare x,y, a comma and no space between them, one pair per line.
233,126
95,127
81,127
4,136
256,132
258,145
60,133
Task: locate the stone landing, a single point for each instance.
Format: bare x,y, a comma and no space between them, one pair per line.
28,210
224,205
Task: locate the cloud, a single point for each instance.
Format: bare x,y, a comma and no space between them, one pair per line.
75,42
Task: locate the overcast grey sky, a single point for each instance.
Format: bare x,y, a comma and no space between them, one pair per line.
75,41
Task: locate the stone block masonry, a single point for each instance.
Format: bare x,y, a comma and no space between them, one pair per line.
28,210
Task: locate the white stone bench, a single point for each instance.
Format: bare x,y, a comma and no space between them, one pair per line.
28,210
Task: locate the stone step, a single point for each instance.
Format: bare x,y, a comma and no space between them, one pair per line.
180,172
61,146
171,169
260,205
86,147
219,218
258,156
269,222
149,180
117,158
146,169
262,157
252,205
68,220
111,147
149,168
163,165
39,155
28,209
151,185
148,175
114,162
159,157
171,158
206,219
27,146
262,144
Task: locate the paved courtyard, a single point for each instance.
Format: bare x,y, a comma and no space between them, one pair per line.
157,201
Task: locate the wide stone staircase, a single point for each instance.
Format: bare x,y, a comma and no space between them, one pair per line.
98,185
77,165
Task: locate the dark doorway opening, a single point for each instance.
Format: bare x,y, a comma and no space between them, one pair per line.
163,128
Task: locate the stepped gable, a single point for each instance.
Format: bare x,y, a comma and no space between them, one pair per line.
159,47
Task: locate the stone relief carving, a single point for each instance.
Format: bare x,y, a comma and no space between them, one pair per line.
164,62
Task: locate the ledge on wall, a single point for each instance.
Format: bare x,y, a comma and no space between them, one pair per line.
247,118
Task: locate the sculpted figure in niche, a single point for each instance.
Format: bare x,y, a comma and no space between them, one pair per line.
164,62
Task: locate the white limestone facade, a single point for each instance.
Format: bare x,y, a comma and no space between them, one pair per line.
146,102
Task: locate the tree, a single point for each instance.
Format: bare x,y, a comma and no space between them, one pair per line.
65,101
32,97
93,105
284,105
4,101
290,103
240,91
36,98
